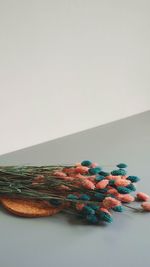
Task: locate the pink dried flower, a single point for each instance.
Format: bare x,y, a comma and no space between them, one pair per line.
69,170
38,179
81,169
94,164
124,176
80,206
110,202
127,198
60,174
64,187
142,196
91,178
79,176
119,196
102,184
122,182
68,178
146,206
112,191
88,184
112,177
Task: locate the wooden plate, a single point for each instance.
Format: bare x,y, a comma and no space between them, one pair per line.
29,208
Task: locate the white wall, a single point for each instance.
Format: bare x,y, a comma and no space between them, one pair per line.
68,65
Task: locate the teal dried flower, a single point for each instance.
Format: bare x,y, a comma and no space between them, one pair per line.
123,172
84,197
104,190
123,190
99,177
122,165
71,196
99,196
118,208
106,217
111,182
119,172
133,179
92,219
104,173
86,163
131,187
88,210
94,171
93,206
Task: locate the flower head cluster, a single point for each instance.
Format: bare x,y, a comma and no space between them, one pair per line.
98,193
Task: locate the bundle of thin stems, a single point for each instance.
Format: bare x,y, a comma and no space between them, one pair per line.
19,182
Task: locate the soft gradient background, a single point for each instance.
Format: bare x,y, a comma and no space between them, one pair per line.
70,65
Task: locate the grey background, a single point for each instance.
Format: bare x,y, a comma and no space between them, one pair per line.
59,241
